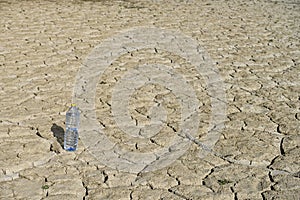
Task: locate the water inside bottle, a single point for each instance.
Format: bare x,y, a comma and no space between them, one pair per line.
71,139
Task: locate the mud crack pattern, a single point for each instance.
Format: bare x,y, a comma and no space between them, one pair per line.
253,44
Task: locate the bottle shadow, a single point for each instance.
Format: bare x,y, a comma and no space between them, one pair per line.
58,132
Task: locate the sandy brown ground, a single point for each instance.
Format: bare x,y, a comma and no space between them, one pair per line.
254,44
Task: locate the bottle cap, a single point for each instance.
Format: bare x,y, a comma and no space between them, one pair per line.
73,105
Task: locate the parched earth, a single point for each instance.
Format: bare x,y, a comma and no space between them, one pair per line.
254,47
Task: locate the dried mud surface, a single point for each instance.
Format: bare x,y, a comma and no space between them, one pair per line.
255,46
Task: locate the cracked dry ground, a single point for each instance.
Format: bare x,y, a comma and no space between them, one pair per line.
256,47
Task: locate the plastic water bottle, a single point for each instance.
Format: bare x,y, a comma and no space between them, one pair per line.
72,126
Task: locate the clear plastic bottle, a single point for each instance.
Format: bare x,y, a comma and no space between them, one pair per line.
72,126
